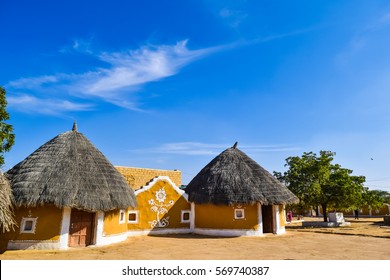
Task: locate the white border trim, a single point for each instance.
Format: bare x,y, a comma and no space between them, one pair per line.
99,228
228,232
182,215
33,244
122,221
276,218
136,212
192,221
159,231
242,210
65,224
33,226
110,239
149,185
259,218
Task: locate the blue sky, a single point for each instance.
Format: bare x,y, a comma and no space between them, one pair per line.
171,84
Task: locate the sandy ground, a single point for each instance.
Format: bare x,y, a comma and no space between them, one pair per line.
364,240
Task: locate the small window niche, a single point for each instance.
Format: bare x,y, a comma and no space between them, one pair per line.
132,217
239,214
122,216
185,216
28,225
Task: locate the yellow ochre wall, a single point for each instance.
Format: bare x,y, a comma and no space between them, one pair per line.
138,177
282,215
222,217
111,223
48,225
147,215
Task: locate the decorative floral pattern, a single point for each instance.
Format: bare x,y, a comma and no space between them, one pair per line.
161,195
160,208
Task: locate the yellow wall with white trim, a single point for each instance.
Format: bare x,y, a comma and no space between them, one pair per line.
173,211
222,217
146,215
112,224
282,215
48,225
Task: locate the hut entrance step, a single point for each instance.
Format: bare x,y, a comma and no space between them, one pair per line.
80,230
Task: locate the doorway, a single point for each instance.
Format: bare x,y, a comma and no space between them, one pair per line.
81,228
268,218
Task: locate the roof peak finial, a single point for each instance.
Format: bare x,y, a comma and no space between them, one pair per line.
74,128
235,145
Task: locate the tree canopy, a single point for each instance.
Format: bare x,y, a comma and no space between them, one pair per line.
7,139
316,180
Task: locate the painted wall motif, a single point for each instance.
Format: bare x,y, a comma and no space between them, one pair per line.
160,206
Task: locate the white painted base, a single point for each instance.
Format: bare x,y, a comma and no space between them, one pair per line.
159,232
227,232
281,230
115,238
33,244
111,239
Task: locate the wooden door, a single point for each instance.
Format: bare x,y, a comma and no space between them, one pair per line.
268,218
80,230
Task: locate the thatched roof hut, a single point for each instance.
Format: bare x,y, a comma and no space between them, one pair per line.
70,171
234,178
6,217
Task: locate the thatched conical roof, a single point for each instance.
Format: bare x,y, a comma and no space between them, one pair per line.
70,171
6,216
234,178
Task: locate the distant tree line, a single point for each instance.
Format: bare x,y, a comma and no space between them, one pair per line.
317,181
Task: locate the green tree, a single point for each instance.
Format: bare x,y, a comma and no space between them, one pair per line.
373,198
7,139
315,180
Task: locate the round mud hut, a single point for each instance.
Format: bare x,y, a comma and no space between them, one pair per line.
233,195
63,194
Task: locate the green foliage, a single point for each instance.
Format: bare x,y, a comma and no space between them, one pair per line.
315,180
374,199
7,137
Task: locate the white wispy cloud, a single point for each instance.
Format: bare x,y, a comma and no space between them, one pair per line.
132,69
232,16
363,38
34,82
125,72
79,45
31,104
382,21
197,148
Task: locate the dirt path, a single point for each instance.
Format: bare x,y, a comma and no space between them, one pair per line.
298,243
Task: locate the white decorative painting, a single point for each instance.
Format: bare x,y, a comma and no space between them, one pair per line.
161,208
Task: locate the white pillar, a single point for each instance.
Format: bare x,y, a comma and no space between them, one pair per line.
99,228
192,217
276,219
259,218
65,223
